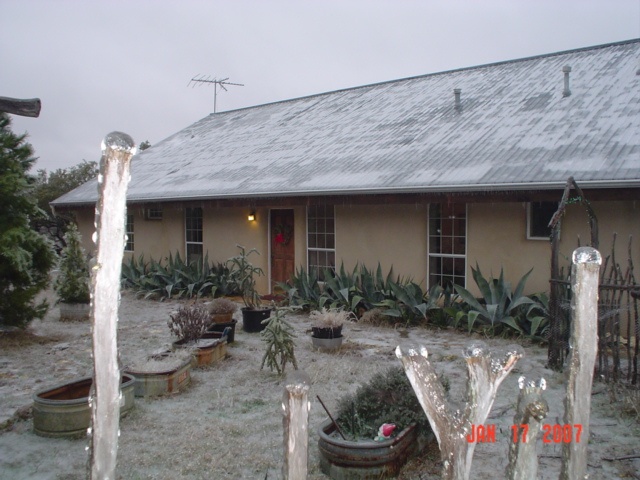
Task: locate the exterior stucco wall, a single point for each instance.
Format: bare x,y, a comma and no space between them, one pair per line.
497,238
394,235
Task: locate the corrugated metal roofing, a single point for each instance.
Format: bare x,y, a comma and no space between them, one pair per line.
515,129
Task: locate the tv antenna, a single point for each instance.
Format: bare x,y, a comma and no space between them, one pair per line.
200,79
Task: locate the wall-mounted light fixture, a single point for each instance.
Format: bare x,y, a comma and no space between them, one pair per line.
252,216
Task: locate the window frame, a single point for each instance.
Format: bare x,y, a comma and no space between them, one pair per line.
328,237
530,221
187,230
439,256
129,231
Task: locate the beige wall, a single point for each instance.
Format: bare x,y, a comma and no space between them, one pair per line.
394,235
497,238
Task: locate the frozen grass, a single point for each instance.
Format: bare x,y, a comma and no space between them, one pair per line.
228,423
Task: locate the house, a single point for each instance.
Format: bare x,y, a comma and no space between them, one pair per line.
429,174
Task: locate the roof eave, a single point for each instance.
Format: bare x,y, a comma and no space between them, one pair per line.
462,188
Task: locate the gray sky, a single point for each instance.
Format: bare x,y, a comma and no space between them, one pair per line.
100,66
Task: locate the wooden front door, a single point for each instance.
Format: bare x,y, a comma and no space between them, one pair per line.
282,246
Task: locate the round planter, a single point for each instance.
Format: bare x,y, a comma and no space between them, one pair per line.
345,460
326,332
327,343
219,328
252,319
221,317
153,384
206,351
63,411
74,311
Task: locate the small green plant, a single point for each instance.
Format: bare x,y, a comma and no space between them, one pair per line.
242,273
278,337
189,323
388,397
72,284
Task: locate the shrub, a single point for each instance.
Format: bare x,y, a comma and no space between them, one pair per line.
189,323
387,398
221,306
72,284
498,305
175,278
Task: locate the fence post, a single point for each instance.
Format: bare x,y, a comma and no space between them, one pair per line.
117,148
454,430
295,422
582,356
527,422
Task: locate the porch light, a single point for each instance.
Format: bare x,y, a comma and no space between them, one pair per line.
252,216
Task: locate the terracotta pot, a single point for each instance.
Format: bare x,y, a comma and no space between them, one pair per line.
343,459
221,317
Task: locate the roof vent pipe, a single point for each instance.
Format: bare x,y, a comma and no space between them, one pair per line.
566,70
458,104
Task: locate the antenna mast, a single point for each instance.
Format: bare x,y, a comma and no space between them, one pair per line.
200,79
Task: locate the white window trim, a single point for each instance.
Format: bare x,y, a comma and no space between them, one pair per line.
187,243
449,255
316,249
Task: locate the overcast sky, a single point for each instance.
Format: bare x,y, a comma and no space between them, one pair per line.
100,66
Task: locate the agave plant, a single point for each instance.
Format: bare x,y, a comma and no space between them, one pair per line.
499,305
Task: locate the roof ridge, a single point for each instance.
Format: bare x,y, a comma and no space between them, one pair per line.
433,74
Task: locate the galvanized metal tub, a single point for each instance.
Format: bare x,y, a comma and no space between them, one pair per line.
153,384
63,411
345,460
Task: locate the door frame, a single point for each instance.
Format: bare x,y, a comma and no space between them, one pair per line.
270,246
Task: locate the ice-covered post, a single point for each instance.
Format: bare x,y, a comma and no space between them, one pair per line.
583,348
454,430
527,422
117,150
295,421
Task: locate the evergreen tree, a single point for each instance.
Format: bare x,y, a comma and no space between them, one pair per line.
51,185
72,284
25,256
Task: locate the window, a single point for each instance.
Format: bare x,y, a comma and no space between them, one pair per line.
128,230
538,217
447,244
193,234
321,239
154,213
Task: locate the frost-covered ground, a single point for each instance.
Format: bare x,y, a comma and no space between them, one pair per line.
228,424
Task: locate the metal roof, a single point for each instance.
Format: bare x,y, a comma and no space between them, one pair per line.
515,129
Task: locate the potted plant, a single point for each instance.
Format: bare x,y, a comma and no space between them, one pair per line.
242,273
72,283
221,312
189,324
380,426
326,327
